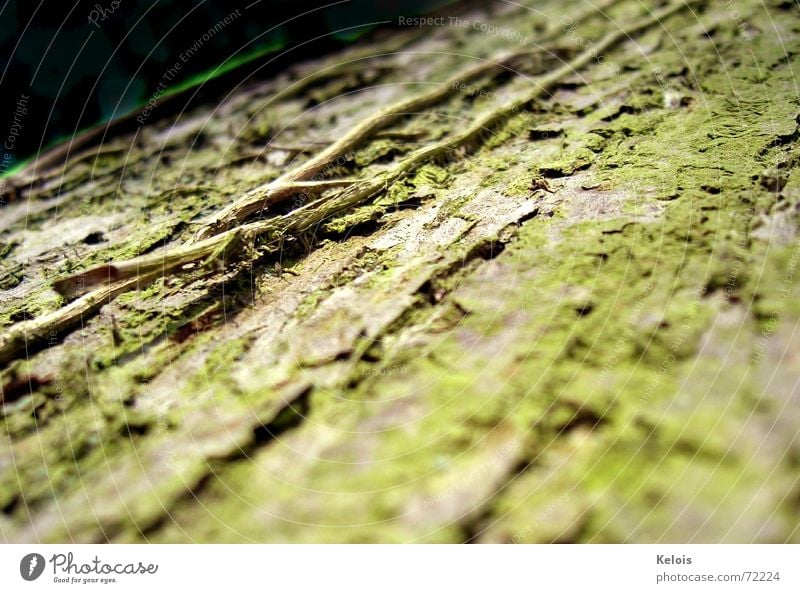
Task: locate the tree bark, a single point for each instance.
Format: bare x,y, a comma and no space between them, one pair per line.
522,277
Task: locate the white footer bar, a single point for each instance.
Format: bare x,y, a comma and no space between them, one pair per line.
387,569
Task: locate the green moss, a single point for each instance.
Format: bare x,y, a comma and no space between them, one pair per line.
215,374
591,382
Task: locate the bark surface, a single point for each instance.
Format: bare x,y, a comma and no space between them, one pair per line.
532,279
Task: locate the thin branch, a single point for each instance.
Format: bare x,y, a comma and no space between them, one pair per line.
278,190
129,274
360,190
31,335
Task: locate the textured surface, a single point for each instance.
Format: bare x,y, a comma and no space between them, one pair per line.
580,326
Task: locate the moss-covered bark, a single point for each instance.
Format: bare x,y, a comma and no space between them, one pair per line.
574,320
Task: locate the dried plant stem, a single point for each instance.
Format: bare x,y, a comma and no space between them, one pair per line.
360,190
31,334
271,193
129,274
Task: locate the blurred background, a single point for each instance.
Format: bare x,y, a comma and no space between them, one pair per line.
72,65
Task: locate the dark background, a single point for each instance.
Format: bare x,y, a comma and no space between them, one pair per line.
78,74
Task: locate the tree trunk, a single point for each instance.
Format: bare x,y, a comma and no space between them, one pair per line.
517,277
